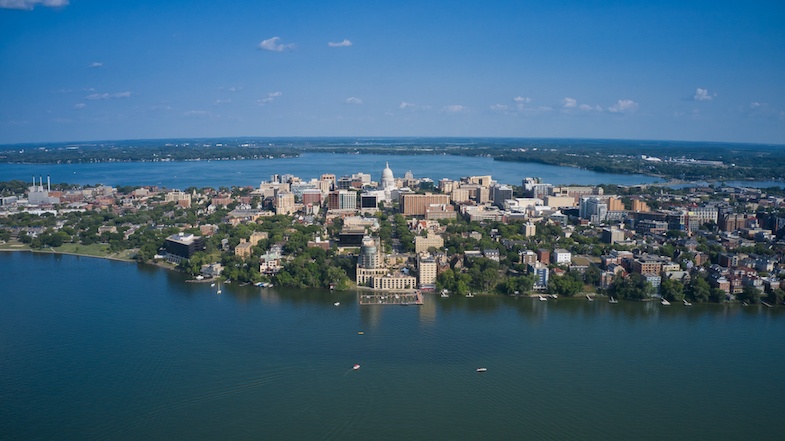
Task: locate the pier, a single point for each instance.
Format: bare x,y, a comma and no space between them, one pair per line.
391,298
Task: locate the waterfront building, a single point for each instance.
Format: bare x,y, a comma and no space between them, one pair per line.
426,271
182,246
394,282
540,272
370,253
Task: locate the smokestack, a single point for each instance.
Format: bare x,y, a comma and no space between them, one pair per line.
48,184
40,182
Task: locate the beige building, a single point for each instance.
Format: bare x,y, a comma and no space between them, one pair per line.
284,203
365,276
560,201
426,270
459,195
243,249
421,244
529,229
395,282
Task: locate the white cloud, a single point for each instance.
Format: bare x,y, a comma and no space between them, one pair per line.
588,108
269,98
412,106
220,101
522,100
623,106
107,96
273,45
569,103
198,114
344,43
500,107
703,95
96,64
353,100
756,105
30,4
80,106
454,108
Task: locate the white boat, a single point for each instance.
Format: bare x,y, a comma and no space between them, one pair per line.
200,277
665,302
482,369
612,300
686,303
356,366
470,295
543,299
589,297
212,285
445,293
337,304
219,291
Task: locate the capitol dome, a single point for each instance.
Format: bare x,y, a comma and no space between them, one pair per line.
388,181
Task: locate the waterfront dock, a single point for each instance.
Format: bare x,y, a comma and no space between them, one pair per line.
390,298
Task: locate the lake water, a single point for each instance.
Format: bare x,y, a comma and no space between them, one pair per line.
95,349
309,165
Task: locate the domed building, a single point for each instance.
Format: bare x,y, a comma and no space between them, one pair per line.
388,180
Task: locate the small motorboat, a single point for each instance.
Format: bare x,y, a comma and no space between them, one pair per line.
589,298
355,367
543,299
665,302
686,303
337,304
482,369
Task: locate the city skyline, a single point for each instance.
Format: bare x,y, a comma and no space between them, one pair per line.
84,70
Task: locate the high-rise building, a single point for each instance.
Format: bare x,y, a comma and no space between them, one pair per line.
426,270
416,204
500,193
284,203
369,253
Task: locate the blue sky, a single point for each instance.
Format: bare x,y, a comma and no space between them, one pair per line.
81,70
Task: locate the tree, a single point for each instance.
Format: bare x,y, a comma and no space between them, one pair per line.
776,296
634,287
698,290
749,294
672,290
566,285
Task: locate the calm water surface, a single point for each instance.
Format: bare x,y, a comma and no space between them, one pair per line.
94,349
309,165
